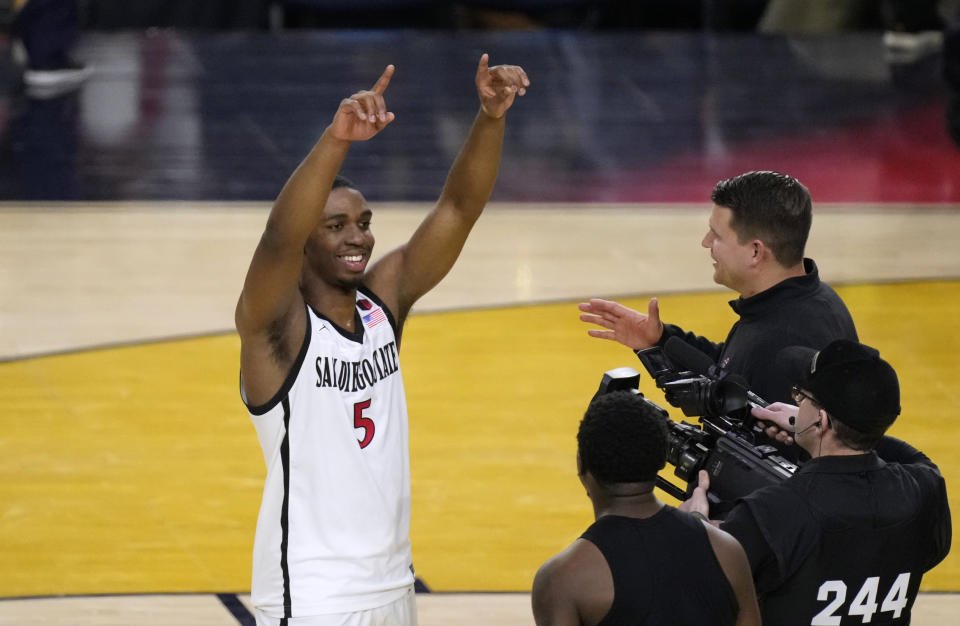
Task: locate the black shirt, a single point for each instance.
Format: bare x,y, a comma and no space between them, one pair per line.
664,571
799,311
845,537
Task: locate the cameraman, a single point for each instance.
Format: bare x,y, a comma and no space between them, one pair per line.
853,531
641,562
758,231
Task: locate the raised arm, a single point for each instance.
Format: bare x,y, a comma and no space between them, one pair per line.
406,273
270,316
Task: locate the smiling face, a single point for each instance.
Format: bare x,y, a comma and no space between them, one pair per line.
731,259
339,249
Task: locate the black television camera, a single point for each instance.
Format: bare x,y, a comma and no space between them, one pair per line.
724,441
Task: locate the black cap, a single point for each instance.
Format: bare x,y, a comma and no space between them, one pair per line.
850,381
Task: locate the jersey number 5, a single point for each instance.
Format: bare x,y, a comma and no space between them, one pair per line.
359,421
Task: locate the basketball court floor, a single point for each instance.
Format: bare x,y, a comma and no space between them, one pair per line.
130,474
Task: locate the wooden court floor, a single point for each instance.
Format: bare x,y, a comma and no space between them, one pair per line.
130,475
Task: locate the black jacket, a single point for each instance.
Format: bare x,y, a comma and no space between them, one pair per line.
801,311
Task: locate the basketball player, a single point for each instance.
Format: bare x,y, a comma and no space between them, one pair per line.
320,373
642,561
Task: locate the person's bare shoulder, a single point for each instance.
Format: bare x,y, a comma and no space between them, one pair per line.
572,584
733,561
728,550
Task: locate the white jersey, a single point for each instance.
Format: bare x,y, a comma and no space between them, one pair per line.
334,524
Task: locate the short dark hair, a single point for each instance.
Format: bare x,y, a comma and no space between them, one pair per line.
622,439
343,181
769,206
853,438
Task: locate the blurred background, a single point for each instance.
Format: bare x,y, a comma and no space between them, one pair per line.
635,97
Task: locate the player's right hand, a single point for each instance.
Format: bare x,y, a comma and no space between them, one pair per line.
364,114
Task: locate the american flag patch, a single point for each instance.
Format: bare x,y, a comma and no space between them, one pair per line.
374,317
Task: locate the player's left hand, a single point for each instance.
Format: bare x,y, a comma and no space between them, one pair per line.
498,86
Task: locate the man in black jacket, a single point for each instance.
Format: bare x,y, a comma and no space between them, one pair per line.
846,539
757,233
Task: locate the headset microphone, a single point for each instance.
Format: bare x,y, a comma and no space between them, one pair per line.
800,432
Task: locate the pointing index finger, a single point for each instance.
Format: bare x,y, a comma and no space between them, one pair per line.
381,85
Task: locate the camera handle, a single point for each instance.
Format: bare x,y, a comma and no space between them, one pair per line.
671,489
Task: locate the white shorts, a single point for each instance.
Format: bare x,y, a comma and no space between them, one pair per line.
401,612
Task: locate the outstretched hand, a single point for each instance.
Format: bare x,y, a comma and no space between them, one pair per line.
364,114
498,86
624,325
